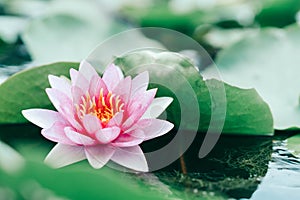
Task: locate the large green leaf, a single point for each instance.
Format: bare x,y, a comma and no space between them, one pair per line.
246,112
269,62
27,90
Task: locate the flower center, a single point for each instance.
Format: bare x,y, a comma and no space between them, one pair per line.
104,107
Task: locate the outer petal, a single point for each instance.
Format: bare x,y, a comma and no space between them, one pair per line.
57,134
140,83
156,128
64,106
73,75
61,101
91,124
61,84
87,70
78,138
112,76
107,135
131,157
62,155
157,107
42,117
130,139
99,155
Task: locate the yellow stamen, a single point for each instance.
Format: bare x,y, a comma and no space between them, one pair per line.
104,106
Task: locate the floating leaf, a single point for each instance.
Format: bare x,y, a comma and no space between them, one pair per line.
27,90
269,62
246,112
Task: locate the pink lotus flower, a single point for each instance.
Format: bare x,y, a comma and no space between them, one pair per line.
100,119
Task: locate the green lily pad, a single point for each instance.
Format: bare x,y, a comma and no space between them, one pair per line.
269,62
27,90
246,112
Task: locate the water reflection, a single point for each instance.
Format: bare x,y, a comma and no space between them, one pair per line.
282,178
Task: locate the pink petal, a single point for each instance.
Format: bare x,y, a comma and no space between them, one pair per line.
156,128
139,125
63,105
132,138
140,84
107,135
116,120
129,123
56,133
42,117
62,155
61,101
112,76
87,70
138,106
60,84
157,107
95,86
131,157
82,82
77,93
99,155
78,138
91,124
123,89
73,75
